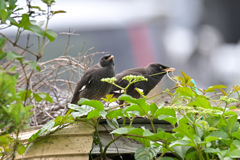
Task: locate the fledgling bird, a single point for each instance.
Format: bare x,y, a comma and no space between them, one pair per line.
90,86
154,72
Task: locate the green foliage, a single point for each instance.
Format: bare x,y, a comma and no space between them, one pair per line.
14,113
200,129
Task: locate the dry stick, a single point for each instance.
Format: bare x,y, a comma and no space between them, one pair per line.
79,54
35,54
47,113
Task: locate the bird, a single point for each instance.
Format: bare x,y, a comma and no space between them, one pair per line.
90,86
154,72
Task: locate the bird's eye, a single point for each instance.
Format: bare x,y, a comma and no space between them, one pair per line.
161,67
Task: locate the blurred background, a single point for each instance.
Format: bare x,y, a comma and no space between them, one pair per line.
199,37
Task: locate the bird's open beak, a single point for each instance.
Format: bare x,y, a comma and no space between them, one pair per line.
111,57
169,70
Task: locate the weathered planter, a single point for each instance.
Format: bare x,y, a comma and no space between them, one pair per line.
71,142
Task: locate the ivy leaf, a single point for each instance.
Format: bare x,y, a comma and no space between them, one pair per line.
50,35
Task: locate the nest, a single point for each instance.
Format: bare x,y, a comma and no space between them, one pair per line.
57,78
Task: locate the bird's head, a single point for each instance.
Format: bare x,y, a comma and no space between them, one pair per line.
159,69
106,60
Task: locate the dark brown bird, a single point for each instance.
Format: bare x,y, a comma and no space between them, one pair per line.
91,86
154,72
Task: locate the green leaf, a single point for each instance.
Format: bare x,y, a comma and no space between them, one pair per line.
211,150
191,155
113,123
123,130
35,29
235,153
114,114
129,99
24,94
82,110
213,88
219,134
40,96
165,158
185,129
201,102
134,107
165,111
2,41
21,148
231,122
50,35
181,143
237,143
169,119
33,65
181,150
93,103
184,91
93,114
24,22
2,54
14,55
44,130
145,153
3,15
236,135
153,108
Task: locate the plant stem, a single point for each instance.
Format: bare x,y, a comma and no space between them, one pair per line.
44,35
98,136
153,127
15,145
105,149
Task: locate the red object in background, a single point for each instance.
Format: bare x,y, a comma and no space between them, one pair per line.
141,45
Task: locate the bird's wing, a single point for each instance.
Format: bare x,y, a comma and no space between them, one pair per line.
81,85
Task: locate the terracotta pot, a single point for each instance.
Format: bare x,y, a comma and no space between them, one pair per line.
71,142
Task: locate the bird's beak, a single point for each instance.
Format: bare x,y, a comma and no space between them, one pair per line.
169,69
111,57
